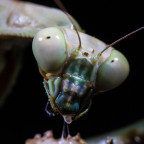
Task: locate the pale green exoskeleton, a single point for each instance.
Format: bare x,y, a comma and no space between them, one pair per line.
19,22
60,61
72,74
75,67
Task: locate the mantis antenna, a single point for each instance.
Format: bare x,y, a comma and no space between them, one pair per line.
110,45
62,7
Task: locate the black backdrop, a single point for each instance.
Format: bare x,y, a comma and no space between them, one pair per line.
23,114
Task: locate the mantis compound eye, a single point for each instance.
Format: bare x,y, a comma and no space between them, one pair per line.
112,72
49,48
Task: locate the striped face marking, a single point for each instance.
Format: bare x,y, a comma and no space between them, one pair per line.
74,85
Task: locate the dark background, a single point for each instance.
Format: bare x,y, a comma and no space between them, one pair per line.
23,114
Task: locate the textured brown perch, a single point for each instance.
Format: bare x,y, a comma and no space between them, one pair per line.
48,138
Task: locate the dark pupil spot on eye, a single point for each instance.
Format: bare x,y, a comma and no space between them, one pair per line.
48,37
112,61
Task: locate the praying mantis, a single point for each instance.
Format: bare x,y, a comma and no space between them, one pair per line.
103,22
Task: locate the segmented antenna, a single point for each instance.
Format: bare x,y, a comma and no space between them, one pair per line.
62,7
110,45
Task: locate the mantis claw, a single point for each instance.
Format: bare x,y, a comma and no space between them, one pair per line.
48,109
